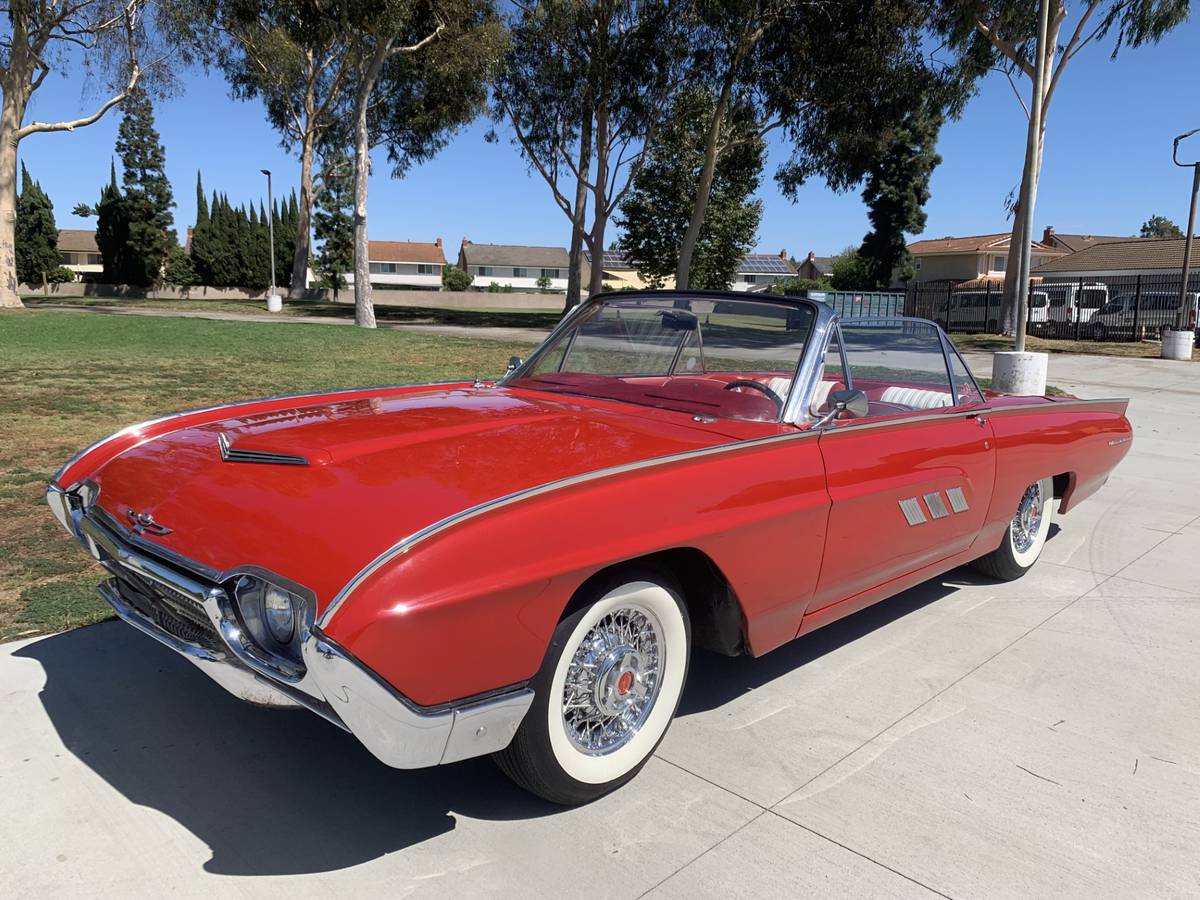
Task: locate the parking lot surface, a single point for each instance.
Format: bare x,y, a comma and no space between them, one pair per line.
963,739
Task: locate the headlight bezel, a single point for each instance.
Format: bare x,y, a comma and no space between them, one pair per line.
249,593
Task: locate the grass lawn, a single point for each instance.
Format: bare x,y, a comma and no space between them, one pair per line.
992,342
67,380
409,315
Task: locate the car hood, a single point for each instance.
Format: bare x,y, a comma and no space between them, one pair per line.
366,472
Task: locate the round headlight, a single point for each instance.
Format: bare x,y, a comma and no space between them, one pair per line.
280,613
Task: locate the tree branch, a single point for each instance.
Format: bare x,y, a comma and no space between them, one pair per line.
1004,47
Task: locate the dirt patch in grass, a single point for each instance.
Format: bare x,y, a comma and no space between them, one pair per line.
990,343
67,380
402,315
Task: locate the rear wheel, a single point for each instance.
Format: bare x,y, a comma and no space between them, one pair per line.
1099,332
1025,535
607,690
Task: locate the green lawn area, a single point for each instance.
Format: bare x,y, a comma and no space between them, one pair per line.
410,315
70,379
989,343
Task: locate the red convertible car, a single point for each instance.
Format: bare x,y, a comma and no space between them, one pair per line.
522,567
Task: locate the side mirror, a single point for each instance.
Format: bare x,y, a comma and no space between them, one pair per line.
850,404
514,363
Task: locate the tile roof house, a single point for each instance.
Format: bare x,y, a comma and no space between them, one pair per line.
404,265
1131,256
981,257
78,251
514,265
757,271
1073,243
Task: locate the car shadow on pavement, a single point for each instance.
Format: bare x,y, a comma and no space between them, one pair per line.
715,680
270,791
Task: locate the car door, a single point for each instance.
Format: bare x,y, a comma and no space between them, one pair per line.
910,483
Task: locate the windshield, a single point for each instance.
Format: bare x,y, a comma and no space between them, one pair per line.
719,357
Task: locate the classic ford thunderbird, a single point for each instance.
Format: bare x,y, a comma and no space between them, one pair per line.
523,567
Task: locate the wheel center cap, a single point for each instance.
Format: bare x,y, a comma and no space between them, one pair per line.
625,682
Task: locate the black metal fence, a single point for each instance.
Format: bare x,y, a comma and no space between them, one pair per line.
1101,308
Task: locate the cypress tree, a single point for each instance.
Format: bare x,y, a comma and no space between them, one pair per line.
112,231
36,234
148,194
201,244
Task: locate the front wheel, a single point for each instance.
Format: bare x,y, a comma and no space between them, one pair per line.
607,690
1025,535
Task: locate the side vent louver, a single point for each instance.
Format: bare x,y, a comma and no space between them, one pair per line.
233,454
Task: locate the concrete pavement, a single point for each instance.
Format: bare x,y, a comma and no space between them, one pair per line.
964,739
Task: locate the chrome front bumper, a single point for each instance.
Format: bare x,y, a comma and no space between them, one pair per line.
330,683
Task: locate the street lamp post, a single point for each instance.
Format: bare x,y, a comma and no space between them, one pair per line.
1181,316
274,302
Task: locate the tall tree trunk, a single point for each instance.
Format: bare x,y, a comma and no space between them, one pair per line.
599,200
579,213
364,309
13,111
303,220
691,237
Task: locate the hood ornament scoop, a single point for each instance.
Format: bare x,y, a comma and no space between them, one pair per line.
229,453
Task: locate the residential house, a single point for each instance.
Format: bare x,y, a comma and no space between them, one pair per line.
1131,256
815,267
404,265
981,258
1073,243
620,274
78,251
758,271
515,266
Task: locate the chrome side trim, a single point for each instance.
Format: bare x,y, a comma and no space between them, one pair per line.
407,543
958,502
130,429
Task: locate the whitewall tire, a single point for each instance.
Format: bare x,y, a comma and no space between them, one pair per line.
1025,536
607,690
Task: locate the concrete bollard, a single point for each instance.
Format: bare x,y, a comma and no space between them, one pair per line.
1023,374
1177,344
274,303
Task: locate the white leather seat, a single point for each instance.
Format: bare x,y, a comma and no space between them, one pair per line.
781,386
917,398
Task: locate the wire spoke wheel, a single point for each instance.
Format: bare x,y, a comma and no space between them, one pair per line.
1027,523
613,680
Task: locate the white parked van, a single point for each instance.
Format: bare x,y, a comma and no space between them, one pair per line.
1155,311
1072,302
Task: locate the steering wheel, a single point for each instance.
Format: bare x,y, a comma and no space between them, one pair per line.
758,386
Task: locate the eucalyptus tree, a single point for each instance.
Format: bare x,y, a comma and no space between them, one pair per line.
1001,35
294,55
658,209
113,39
836,80
421,71
585,85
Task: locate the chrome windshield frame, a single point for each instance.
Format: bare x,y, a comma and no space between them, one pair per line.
803,380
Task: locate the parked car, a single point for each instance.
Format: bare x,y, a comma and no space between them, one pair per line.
1071,302
523,567
1149,312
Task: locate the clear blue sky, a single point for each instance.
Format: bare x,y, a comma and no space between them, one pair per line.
1107,165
